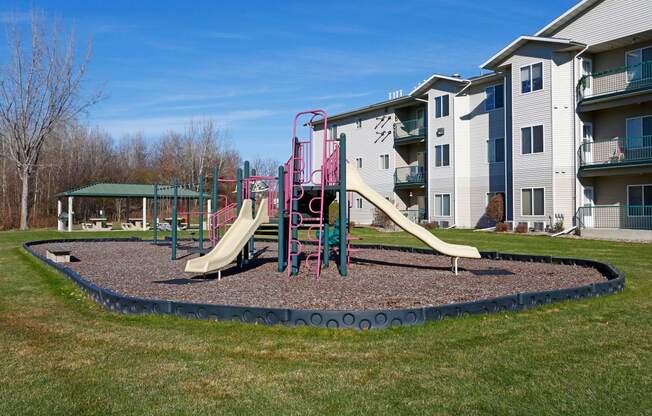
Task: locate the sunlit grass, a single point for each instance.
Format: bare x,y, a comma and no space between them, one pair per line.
61,354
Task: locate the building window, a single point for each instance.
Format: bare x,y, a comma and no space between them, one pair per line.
532,78
494,97
442,106
358,162
634,61
442,205
532,140
442,155
358,123
358,203
639,132
496,150
639,200
332,131
532,201
384,162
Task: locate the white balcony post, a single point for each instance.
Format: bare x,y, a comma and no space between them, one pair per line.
208,214
59,210
70,214
144,213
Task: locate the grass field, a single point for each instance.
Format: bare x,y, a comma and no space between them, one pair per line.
61,354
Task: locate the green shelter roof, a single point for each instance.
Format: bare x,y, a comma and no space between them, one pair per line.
128,190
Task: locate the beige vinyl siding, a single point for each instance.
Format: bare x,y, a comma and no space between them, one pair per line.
563,139
609,20
608,124
482,177
532,109
615,58
441,180
612,190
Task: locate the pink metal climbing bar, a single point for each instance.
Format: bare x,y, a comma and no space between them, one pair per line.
300,172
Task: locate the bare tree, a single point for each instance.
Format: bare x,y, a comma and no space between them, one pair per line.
40,89
265,166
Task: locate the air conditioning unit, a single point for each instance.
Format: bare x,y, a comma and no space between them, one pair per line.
443,224
539,226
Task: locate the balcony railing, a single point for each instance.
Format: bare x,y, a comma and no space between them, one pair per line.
415,215
617,151
615,81
410,129
407,175
633,217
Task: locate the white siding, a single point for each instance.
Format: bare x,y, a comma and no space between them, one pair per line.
530,109
563,139
609,20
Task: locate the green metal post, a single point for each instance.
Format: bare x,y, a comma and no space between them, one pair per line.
175,197
216,178
327,245
281,242
238,201
201,213
245,254
155,213
342,195
253,207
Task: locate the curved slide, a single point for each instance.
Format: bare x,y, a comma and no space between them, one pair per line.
232,242
354,183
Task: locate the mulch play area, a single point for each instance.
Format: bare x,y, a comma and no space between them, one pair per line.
378,279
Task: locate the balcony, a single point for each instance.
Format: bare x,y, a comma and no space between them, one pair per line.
410,131
618,82
415,215
617,152
632,217
409,176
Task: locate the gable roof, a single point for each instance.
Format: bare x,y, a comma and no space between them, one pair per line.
508,50
128,190
570,15
425,85
361,110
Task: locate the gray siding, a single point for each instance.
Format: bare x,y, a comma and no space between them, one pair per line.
441,180
482,177
609,20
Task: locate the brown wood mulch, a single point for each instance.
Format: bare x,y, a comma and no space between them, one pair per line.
378,279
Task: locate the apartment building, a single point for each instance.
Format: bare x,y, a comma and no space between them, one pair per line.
561,125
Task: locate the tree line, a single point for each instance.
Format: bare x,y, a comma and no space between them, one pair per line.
45,149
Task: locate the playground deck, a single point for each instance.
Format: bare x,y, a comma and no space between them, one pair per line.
380,279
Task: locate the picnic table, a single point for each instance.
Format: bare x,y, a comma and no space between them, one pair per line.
99,222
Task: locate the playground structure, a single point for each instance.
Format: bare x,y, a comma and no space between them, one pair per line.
316,172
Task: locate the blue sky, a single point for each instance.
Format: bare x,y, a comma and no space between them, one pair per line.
252,65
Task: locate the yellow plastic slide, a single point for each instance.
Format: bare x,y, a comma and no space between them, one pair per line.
230,245
354,183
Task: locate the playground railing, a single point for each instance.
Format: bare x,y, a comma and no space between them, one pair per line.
220,220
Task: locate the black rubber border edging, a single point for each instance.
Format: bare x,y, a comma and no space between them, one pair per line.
365,319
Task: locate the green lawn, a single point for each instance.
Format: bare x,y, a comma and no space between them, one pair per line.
62,354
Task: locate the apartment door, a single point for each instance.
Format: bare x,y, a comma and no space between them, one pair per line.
587,69
588,204
587,143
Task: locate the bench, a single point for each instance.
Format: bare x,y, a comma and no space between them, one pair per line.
58,254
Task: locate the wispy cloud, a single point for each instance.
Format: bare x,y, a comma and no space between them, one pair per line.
158,125
227,35
14,17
